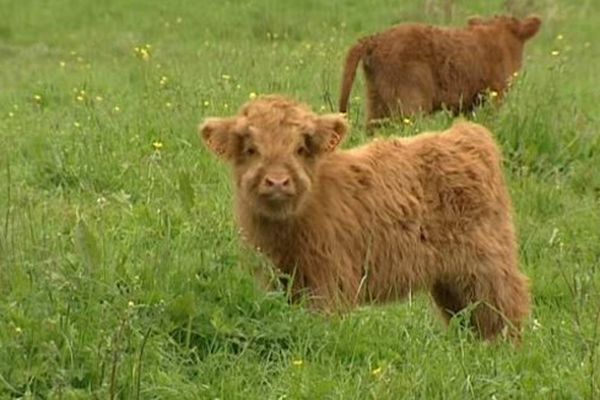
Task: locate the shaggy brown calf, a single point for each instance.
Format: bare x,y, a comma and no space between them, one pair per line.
416,68
375,223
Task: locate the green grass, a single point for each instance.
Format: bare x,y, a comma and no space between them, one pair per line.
121,274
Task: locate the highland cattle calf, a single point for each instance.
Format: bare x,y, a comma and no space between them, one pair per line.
416,68
375,223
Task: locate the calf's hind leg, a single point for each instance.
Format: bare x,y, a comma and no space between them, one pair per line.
501,300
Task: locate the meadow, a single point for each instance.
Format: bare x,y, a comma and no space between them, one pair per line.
121,272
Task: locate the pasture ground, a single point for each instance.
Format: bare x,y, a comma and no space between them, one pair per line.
121,275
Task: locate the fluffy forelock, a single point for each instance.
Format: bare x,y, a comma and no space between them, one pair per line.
274,111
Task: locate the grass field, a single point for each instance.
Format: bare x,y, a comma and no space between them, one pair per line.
121,274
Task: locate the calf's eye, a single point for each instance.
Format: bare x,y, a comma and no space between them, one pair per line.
250,151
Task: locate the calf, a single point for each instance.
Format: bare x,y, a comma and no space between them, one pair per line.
416,68
375,223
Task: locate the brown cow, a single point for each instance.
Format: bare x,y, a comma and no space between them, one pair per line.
375,223
414,68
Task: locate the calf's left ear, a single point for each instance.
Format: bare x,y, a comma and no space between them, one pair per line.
529,27
331,130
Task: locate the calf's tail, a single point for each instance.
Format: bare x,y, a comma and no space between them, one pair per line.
354,56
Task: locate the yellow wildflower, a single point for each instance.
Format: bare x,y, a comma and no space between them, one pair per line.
555,52
99,98
493,94
76,124
252,96
157,145
407,121
376,371
11,114
168,104
143,52
80,98
297,363
206,103
37,97
116,109
226,77
559,37
62,64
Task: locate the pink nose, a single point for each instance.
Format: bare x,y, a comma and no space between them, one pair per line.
277,181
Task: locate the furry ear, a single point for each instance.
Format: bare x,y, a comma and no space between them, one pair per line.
529,27
217,134
331,130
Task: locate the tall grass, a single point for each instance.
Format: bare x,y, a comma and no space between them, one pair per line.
121,272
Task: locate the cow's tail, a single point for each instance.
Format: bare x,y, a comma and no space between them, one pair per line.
354,56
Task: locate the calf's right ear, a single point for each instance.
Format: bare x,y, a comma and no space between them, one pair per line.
217,134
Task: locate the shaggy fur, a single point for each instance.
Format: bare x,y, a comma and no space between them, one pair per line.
416,68
375,223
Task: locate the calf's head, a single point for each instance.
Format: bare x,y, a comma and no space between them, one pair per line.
510,31
522,29
275,146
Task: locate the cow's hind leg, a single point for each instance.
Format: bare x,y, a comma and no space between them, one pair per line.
500,301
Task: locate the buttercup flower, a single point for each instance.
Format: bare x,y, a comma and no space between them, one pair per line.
142,52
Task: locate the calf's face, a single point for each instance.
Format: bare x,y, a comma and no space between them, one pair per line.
274,147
